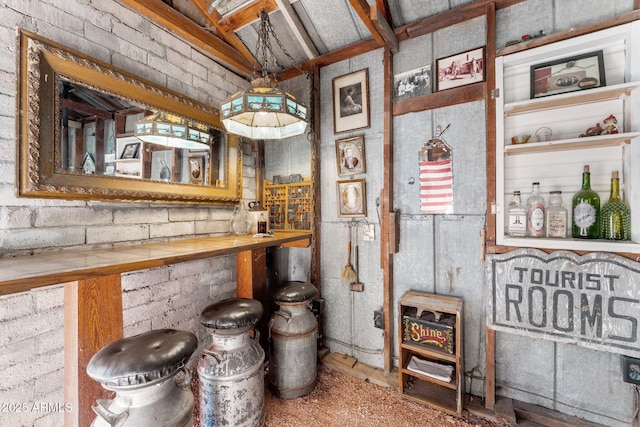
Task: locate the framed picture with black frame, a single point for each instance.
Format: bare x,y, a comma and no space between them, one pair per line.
579,72
351,101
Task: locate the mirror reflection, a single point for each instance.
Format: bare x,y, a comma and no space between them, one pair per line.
102,134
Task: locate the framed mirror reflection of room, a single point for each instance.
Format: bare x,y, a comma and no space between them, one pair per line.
88,130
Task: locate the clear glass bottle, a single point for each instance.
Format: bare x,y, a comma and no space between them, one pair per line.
615,216
240,222
516,217
557,216
535,212
586,208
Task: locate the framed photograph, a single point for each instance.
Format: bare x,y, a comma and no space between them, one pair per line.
412,83
130,151
352,200
579,72
196,170
162,165
461,69
351,101
350,155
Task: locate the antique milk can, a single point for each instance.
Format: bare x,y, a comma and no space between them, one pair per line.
231,368
148,374
293,335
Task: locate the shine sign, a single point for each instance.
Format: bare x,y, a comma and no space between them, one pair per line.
591,300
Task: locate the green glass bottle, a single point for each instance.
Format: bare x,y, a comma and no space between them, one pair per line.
586,208
615,216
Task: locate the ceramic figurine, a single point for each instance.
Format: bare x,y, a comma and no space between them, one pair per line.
610,125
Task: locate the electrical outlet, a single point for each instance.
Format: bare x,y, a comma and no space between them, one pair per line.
631,370
378,319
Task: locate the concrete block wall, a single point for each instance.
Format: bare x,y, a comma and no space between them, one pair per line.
31,323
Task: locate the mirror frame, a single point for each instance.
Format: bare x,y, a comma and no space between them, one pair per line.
41,65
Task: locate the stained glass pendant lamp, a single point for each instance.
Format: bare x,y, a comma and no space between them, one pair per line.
172,131
263,111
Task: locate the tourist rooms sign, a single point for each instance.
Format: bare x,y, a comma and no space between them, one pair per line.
591,300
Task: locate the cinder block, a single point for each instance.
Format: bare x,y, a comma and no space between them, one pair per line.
144,278
140,216
188,214
40,238
14,217
171,229
117,233
15,306
52,340
48,298
136,298
212,227
52,216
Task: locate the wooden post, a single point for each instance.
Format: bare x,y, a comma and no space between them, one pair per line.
92,319
388,242
251,272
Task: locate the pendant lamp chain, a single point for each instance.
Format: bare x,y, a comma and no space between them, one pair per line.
264,50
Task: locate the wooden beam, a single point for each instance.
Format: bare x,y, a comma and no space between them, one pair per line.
316,166
298,29
387,242
227,35
331,58
177,23
454,96
490,75
246,15
384,29
92,319
363,10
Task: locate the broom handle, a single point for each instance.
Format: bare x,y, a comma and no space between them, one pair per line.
349,252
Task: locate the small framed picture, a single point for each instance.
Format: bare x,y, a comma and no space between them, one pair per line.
461,69
351,101
578,72
412,83
352,200
350,156
196,169
130,151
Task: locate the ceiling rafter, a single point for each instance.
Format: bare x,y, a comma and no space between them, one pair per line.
380,30
247,15
175,22
294,22
227,35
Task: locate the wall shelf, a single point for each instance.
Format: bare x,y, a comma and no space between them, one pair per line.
557,164
438,393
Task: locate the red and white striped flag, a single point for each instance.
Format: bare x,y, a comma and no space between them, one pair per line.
436,187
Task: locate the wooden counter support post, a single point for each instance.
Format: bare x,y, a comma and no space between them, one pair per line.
251,272
92,319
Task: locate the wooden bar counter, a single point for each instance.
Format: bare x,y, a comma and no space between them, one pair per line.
93,292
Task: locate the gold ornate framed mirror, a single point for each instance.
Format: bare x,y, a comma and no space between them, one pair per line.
90,131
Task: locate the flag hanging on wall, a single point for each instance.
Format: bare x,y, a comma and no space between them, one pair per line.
436,176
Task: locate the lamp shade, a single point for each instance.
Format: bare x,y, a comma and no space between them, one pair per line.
264,112
172,131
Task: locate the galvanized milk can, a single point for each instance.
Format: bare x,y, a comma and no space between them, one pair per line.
293,333
143,371
231,368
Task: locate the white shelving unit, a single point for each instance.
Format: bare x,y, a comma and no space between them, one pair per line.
557,163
